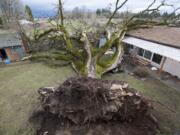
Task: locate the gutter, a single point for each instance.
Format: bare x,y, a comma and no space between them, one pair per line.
165,44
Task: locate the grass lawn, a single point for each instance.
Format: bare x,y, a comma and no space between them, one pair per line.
18,95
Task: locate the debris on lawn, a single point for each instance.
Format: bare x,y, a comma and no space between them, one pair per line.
86,101
154,69
141,72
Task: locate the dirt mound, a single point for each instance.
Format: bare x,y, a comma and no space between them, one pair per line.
94,103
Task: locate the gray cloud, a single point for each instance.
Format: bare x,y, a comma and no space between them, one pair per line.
132,5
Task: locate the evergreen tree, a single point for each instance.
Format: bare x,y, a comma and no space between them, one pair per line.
29,14
98,12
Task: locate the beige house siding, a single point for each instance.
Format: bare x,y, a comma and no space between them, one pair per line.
173,67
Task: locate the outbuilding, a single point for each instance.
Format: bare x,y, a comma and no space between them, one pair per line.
11,46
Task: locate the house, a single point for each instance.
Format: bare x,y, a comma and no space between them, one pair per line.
158,46
11,46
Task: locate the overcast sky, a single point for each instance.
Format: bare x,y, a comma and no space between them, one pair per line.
132,5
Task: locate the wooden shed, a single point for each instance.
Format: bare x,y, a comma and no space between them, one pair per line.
11,46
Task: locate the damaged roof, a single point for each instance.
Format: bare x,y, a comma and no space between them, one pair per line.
169,36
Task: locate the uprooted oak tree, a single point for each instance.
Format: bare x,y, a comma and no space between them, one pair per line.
85,57
89,102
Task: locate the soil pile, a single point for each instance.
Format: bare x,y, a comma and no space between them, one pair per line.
87,105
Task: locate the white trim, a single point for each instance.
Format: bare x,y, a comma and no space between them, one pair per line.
160,49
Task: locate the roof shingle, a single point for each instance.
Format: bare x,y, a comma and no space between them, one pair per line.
169,36
9,40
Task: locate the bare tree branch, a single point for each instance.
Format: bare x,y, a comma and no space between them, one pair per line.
61,12
117,7
38,36
118,53
172,18
148,9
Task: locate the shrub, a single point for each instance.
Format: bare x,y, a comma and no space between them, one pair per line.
141,72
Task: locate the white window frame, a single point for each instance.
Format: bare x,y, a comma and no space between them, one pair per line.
156,64
144,54
150,60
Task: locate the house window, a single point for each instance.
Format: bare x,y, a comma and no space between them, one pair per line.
147,55
157,58
141,52
131,46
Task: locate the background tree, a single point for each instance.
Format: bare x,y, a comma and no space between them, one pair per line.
76,13
10,9
98,12
106,12
85,58
171,17
81,13
29,14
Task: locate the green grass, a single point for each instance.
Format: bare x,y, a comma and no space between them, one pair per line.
158,91
18,95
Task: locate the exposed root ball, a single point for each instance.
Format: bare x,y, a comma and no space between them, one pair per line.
83,100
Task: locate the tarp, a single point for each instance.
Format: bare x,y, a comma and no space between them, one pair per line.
23,22
160,49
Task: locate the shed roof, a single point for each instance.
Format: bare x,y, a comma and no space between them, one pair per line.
169,36
9,40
